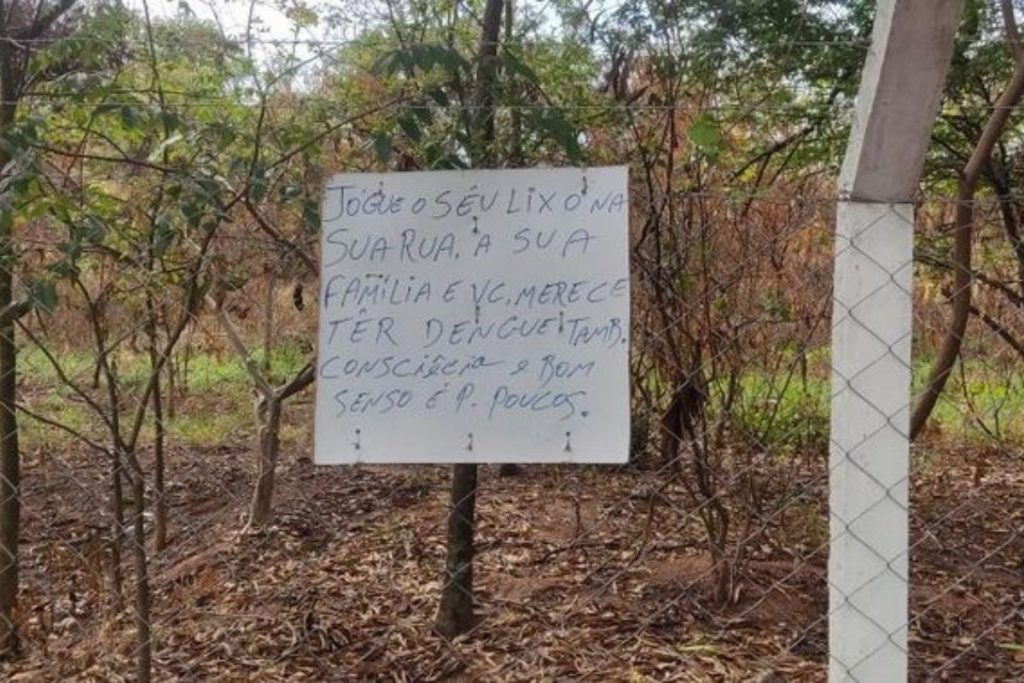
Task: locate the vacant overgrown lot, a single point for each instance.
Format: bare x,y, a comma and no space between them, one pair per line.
587,572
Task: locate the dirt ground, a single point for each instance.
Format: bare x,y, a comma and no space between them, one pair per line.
583,573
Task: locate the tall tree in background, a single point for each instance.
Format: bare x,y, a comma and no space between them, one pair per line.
24,26
978,165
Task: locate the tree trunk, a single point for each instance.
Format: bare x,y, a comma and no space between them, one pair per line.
10,458
486,74
961,298
509,469
516,134
116,530
268,320
183,373
172,389
173,368
963,277
10,463
160,500
671,434
13,62
269,416
159,492
455,614
723,576
143,600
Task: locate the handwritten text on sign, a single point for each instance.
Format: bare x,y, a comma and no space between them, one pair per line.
477,316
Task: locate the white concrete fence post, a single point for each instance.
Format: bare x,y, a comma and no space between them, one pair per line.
869,457
901,87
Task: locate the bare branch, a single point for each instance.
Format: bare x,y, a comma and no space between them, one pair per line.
63,427
45,20
235,339
14,311
280,239
1000,329
191,301
63,376
305,377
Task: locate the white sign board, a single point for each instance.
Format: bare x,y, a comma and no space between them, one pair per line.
474,316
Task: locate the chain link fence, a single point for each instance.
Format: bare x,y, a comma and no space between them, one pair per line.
705,557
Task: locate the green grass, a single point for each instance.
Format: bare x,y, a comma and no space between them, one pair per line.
769,411
34,366
207,372
211,428
792,414
989,399
216,408
34,434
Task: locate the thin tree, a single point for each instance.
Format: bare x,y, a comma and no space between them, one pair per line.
963,275
22,26
515,154
269,406
455,612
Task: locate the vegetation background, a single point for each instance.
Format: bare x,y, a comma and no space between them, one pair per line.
161,174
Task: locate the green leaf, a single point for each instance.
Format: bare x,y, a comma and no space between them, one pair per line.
163,235
706,135
389,63
554,126
516,67
64,268
259,184
129,118
42,294
170,121
439,96
157,153
289,191
422,57
421,110
382,147
310,216
93,230
410,128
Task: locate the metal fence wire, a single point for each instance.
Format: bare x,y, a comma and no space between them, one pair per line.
707,557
